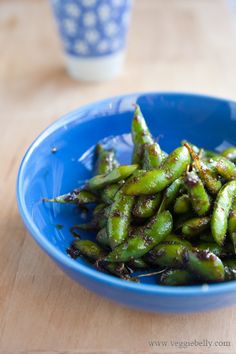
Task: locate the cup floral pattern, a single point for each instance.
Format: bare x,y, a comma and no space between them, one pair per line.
92,27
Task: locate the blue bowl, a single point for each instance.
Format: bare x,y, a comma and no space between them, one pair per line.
60,159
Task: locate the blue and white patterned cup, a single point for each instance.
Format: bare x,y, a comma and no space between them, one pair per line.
93,34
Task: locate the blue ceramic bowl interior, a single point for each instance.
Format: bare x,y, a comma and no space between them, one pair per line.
61,159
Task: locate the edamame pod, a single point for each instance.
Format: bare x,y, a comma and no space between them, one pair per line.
174,277
206,174
198,196
109,192
219,251
146,206
119,219
230,153
102,238
170,194
77,196
94,252
152,156
154,181
105,160
89,249
219,219
224,167
140,135
206,265
182,204
195,226
173,255
116,175
138,245
174,239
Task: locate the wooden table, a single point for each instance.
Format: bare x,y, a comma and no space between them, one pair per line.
185,45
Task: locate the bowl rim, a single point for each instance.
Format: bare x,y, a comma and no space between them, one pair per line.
93,274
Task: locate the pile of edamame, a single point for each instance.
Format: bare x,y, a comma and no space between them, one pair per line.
172,215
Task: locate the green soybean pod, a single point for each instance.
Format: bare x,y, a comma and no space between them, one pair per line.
211,165
170,194
206,265
207,175
224,167
154,181
140,135
175,277
171,255
77,197
213,247
195,226
230,153
105,160
182,204
152,156
119,219
138,245
102,238
232,224
109,192
197,193
116,175
222,206
89,249
175,239
146,206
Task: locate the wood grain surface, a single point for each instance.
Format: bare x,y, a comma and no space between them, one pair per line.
186,45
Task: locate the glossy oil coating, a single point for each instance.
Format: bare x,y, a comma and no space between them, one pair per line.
42,173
